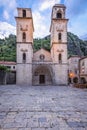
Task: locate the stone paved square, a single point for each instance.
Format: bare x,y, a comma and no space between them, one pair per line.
42,108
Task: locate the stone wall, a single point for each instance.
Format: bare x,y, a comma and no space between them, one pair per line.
60,74
24,74
11,78
7,77
2,77
47,55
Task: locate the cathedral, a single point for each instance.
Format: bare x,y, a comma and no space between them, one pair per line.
42,67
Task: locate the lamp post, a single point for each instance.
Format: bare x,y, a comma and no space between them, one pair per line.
71,75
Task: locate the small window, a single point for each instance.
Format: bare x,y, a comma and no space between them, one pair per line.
24,13
9,67
82,63
76,71
24,57
58,15
24,36
59,36
42,57
13,67
60,58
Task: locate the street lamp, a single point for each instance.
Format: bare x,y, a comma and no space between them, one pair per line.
71,75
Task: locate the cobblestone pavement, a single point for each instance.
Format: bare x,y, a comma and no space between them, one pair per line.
43,108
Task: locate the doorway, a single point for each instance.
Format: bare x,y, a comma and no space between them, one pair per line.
42,75
42,79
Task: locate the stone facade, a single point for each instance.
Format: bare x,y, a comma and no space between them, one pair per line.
9,64
24,46
42,67
83,69
73,69
8,77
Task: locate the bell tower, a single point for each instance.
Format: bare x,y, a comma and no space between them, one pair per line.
58,31
24,30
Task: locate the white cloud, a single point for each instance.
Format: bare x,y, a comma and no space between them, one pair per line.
42,23
41,28
9,8
5,15
47,4
6,29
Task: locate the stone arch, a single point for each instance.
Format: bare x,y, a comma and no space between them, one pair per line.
24,13
24,36
24,57
83,80
60,58
59,36
75,80
42,75
59,14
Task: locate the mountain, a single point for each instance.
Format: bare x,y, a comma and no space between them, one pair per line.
6,29
84,37
76,46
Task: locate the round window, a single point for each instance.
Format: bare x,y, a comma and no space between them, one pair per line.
42,57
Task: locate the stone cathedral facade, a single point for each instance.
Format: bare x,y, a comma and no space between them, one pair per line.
42,67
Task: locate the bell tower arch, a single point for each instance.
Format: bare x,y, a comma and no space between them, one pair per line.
58,31
24,51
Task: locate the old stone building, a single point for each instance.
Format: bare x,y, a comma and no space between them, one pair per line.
73,69
8,77
83,69
42,67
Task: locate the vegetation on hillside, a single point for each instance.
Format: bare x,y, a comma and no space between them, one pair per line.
3,68
42,43
8,46
76,46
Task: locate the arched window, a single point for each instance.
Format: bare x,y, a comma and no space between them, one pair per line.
24,36
75,80
24,57
60,58
58,15
82,63
59,36
24,13
83,80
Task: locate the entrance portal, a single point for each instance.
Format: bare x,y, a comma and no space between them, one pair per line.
42,79
42,75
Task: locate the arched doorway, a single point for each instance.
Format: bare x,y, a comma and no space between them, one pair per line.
83,81
75,80
42,76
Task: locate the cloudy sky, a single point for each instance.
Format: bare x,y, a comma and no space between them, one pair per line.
41,9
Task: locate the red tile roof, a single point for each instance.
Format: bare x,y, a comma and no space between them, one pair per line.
7,63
